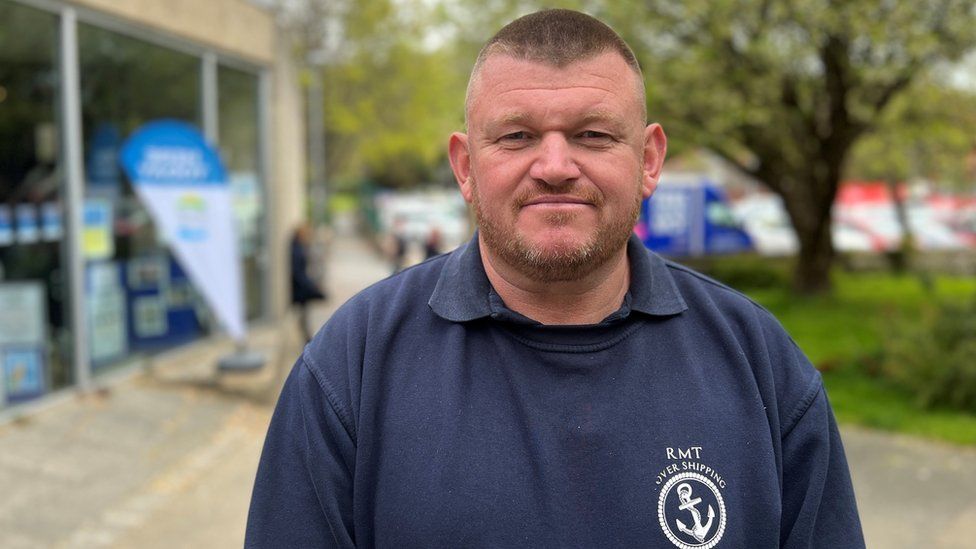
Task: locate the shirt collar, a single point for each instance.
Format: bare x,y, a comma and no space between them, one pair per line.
463,292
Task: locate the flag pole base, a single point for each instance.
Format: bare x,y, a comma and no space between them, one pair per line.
241,360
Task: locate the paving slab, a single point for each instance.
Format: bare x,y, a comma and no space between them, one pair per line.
912,492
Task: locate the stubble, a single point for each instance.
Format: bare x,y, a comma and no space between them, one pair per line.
561,261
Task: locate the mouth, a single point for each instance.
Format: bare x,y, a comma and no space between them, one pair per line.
556,201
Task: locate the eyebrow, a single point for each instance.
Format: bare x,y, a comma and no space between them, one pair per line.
602,115
511,119
615,122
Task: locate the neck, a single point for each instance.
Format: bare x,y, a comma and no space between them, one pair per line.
585,301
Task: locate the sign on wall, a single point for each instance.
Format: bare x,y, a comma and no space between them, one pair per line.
183,184
97,241
23,318
23,333
23,372
6,226
106,312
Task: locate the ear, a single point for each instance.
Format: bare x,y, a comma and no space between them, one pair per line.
460,157
655,147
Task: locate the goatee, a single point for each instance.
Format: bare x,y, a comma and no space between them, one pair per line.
562,261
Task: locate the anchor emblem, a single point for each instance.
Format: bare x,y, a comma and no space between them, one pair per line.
698,530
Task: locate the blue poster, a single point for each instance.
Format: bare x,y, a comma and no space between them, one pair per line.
102,163
28,229
51,226
23,373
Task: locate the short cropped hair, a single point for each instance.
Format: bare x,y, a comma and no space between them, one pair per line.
557,37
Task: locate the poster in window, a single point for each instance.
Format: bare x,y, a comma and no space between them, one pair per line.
147,273
6,226
96,232
23,372
23,313
101,275
51,225
246,204
102,163
28,231
149,316
106,320
179,295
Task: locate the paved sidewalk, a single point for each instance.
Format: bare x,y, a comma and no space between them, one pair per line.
913,493
164,459
167,458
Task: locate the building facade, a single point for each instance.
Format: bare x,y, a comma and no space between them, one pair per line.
87,286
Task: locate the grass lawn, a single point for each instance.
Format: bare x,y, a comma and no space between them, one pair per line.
843,334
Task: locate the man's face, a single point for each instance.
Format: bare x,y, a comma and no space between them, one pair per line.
556,162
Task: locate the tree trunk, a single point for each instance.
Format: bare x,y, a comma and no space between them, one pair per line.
809,207
900,257
812,272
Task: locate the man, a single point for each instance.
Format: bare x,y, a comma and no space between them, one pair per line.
552,383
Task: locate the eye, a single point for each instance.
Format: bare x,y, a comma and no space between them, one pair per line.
515,140
594,135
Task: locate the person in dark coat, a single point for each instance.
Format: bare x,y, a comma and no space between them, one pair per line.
398,244
432,247
303,288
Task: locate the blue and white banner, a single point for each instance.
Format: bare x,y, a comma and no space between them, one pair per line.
182,182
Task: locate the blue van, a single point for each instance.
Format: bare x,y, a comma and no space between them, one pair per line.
689,216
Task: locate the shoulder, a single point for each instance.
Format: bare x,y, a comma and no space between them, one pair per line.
368,323
707,297
786,378
701,290
404,292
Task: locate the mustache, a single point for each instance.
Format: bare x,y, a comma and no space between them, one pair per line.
578,192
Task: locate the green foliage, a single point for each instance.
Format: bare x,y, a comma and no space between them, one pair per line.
933,355
746,272
858,398
784,90
390,101
927,132
845,336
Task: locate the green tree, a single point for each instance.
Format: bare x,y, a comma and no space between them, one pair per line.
389,113
391,96
926,133
784,90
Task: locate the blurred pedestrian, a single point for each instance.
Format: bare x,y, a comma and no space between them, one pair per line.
398,244
553,383
433,244
304,289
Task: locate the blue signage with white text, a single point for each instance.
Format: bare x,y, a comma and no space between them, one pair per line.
170,152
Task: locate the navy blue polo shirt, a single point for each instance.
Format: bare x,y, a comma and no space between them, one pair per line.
426,414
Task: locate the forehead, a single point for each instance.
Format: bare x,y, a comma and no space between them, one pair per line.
503,81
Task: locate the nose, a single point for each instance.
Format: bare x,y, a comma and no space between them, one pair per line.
554,164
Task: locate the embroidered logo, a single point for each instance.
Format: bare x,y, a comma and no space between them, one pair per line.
690,507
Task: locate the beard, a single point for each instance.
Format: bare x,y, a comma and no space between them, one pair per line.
562,261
